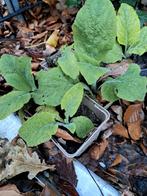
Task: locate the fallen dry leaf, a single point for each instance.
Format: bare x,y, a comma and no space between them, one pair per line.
117,69
118,159
97,150
133,113
133,117
9,190
50,2
134,130
15,159
66,136
48,192
53,39
119,129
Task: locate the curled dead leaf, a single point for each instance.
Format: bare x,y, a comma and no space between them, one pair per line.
134,130
15,159
98,149
53,39
118,159
133,113
66,136
119,129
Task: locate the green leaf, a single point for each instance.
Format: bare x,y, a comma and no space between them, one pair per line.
108,90
141,46
70,126
90,72
114,55
51,110
72,99
83,126
130,86
94,30
72,3
128,25
38,129
17,72
52,86
68,63
12,102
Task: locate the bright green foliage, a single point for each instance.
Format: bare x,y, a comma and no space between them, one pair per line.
90,72
68,63
130,86
83,126
128,25
38,129
52,86
49,109
114,55
141,46
70,126
17,72
12,102
94,30
72,99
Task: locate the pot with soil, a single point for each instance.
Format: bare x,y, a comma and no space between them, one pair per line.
98,115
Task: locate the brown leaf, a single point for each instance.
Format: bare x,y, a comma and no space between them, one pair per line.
134,130
50,2
119,129
66,136
9,190
144,149
118,159
133,117
133,113
48,192
98,149
15,159
118,68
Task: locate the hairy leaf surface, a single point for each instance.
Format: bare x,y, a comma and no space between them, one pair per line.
141,46
90,72
12,102
38,129
72,99
83,126
52,87
17,72
68,63
128,25
130,86
94,30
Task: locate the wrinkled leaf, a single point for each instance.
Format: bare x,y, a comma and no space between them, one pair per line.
98,149
68,63
94,30
15,160
119,129
90,72
52,87
128,25
126,86
12,102
38,129
83,126
17,72
72,99
141,46
114,55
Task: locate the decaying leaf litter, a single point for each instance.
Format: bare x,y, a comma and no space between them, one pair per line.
119,154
